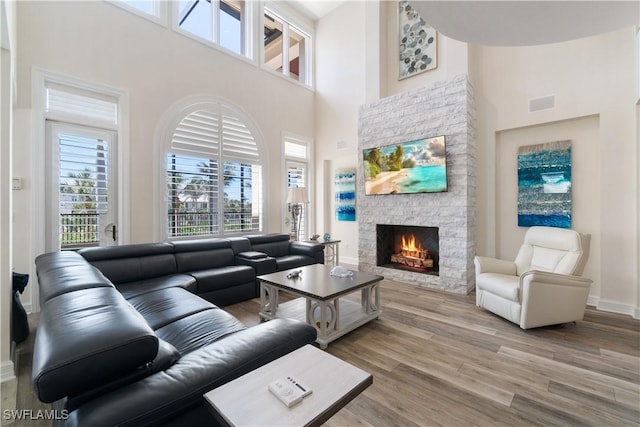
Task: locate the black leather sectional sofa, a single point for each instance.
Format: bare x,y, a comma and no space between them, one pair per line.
133,335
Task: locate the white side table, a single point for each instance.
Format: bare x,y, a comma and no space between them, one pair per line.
331,251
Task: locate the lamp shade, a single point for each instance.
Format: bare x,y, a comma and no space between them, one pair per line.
297,195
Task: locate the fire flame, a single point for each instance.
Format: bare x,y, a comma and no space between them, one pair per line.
409,244
411,248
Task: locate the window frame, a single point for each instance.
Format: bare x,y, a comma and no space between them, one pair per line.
248,30
307,163
160,15
302,26
171,119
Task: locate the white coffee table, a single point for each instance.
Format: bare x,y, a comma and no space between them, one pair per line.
321,301
246,401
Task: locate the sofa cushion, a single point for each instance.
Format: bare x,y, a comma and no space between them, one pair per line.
199,329
130,263
504,285
132,289
164,306
223,277
90,331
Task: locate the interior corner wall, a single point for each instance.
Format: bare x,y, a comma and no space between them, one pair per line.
505,80
7,55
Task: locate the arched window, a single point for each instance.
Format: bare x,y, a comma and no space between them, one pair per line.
214,172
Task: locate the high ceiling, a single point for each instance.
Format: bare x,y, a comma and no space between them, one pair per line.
524,23
510,23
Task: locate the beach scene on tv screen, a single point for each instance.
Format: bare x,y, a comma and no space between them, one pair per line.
418,166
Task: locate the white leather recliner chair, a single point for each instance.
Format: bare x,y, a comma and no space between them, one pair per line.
543,285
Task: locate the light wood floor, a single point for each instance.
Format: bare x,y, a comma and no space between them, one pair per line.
438,360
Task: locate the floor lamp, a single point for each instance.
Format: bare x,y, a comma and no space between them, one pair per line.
296,198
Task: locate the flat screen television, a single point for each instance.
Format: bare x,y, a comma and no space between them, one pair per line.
410,167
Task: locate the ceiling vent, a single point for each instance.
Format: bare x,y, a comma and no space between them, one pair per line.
543,103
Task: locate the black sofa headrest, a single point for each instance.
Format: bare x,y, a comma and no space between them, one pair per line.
126,251
268,238
86,338
62,272
200,245
131,263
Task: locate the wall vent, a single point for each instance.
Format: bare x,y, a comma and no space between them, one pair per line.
543,103
341,145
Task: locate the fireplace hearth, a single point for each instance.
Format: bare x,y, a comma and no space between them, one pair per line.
409,248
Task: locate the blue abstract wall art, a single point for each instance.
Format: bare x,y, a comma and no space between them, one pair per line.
345,190
544,185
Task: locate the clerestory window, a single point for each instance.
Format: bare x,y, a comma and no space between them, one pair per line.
214,175
287,48
222,22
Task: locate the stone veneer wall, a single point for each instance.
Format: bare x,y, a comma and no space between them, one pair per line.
443,108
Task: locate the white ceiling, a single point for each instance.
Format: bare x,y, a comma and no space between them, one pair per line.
315,9
523,23
510,23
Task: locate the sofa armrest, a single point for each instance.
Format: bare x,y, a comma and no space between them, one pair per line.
262,265
313,250
168,393
494,265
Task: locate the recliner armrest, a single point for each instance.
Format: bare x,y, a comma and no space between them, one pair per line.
552,298
494,265
536,276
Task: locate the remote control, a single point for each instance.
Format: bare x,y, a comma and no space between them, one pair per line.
287,392
306,391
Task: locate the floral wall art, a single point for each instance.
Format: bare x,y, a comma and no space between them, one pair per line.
418,42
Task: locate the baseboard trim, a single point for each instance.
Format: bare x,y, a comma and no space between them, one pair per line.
614,307
7,371
348,260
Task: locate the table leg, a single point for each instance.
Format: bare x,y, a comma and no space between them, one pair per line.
269,300
326,321
370,298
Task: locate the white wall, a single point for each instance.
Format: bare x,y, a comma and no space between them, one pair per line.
340,90
101,43
7,80
590,77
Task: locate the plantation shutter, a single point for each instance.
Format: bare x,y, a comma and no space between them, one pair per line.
83,174
214,175
70,102
198,133
237,140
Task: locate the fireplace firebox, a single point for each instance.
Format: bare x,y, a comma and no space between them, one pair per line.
408,247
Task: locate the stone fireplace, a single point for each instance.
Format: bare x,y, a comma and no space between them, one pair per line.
408,248
442,108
